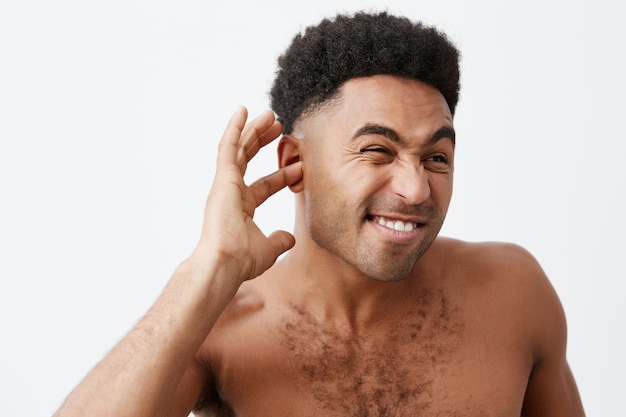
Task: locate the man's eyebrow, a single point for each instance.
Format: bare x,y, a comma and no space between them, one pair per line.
371,129
444,132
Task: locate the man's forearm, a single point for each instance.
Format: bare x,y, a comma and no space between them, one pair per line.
141,373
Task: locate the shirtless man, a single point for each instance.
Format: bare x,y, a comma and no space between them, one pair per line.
369,313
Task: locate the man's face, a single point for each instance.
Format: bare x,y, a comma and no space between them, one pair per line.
378,173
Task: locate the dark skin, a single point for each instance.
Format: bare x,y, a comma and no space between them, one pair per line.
454,350
370,313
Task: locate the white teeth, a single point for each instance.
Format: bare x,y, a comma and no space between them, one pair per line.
396,225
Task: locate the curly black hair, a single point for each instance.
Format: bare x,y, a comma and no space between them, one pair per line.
318,62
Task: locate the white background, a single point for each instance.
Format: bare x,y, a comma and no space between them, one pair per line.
109,116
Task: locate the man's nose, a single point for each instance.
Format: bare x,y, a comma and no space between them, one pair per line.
410,181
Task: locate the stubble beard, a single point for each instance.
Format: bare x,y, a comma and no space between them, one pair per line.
330,229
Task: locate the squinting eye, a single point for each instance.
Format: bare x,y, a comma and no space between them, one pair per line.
377,155
376,150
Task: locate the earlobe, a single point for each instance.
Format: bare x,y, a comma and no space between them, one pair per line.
289,153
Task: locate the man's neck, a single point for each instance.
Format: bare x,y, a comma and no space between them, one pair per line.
332,289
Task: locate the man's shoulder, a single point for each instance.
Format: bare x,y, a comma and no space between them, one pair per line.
256,300
249,301
484,248
508,279
503,259
498,272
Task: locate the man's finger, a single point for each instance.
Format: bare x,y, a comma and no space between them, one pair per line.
228,148
258,133
280,242
271,184
270,134
263,139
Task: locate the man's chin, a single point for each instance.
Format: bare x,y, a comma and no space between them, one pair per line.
388,270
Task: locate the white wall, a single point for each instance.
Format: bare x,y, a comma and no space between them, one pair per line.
109,116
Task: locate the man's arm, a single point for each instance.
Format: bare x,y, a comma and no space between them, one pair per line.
551,389
152,371
552,392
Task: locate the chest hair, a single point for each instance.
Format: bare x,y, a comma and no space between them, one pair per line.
389,371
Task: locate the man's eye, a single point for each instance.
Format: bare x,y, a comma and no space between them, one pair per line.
376,150
439,159
437,163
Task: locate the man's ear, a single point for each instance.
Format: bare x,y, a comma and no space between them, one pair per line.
289,152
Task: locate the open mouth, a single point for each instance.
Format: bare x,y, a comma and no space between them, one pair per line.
395,224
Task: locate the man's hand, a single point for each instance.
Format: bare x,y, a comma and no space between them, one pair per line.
229,230
153,370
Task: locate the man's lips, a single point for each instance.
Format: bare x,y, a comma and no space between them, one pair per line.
400,225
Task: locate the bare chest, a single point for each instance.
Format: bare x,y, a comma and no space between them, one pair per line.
425,362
